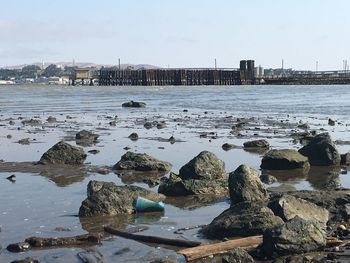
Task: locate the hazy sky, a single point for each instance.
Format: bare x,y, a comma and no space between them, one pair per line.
177,33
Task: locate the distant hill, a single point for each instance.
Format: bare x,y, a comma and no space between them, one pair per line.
83,65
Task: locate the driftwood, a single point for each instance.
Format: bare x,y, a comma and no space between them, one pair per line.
63,241
220,248
248,243
334,242
153,239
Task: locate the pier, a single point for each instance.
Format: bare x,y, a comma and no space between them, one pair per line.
169,77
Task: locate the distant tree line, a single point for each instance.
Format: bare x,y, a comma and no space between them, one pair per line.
33,71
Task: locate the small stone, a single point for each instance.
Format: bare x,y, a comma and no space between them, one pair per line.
342,227
51,119
133,136
11,178
227,146
112,123
134,104
18,247
24,141
331,122
172,140
94,151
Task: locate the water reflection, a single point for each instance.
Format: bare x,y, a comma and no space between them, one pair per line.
61,175
324,177
195,201
288,176
95,224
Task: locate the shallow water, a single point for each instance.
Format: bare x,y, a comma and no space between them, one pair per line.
38,203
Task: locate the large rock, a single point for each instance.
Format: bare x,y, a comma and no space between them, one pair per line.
294,237
242,219
175,186
86,136
284,159
321,151
204,166
63,153
287,207
245,185
106,198
256,144
141,162
134,104
237,255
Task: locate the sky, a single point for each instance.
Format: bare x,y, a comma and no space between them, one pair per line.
177,33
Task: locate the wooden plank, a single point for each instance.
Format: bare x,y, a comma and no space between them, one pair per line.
220,248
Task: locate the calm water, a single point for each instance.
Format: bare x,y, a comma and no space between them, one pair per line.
37,204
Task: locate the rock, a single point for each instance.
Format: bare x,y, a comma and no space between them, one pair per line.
11,178
256,144
227,146
161,125
321,151
94,151
31,122
149,125
204,166
134,104
294,237
284,159
268,179
175,186
63,153
287,207
85,135
18,247
26,260
112,123
245,185
242,219
237,255
133,136
12,122
141,162
331,122
172,139
106,198
51,119
345,158
24,141
304,126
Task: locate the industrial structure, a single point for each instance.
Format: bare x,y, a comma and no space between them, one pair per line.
246,74
114,76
